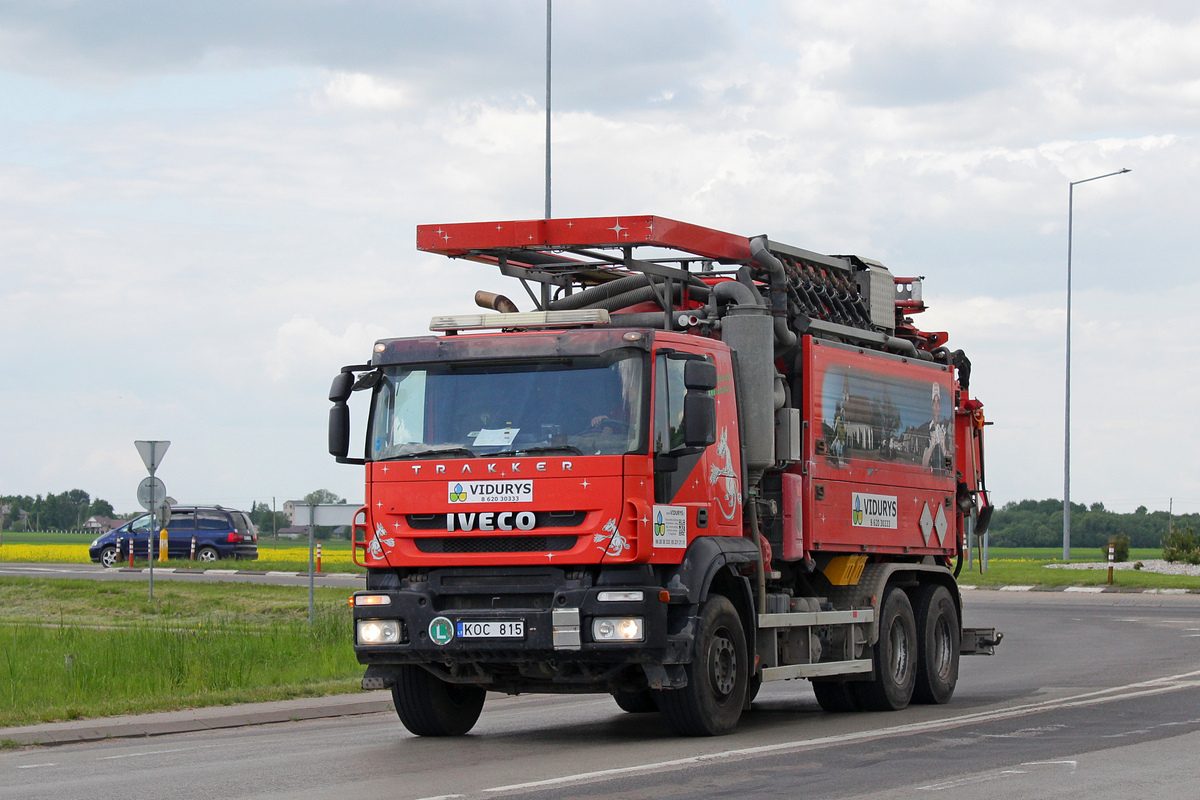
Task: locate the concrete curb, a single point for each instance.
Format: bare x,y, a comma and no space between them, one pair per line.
1082,589
198,719
186,571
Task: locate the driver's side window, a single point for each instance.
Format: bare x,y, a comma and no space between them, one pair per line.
669,391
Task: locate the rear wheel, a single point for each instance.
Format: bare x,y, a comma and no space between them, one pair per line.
938,638
207,554
711,703
642,702
109,556
895,657
428,706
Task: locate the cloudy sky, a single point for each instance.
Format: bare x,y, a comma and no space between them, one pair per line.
207,208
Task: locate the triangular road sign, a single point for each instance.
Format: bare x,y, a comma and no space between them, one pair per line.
152,452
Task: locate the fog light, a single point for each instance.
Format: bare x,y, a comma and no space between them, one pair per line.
378,631
635,596
617,629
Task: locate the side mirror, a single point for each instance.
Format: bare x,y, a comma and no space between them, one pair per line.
699,375
699,419
339,430
343,384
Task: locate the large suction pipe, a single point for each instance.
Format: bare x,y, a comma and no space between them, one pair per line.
785,337
587,297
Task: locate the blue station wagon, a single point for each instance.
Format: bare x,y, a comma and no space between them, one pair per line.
219,533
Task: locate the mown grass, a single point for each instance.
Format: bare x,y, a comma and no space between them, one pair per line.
81,649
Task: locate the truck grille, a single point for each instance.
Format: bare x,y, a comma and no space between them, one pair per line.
545,519
495,544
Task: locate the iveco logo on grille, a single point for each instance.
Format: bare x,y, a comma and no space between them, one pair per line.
492,521
489,492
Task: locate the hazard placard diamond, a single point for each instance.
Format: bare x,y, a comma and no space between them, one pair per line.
926,523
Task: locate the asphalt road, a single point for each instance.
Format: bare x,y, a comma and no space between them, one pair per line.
1094,696
235,572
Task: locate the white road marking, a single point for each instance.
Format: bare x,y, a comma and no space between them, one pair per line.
991,776
32,766
146,753
1170,683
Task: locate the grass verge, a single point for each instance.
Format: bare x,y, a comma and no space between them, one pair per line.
78,649
1026,566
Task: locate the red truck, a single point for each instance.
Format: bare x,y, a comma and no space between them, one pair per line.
701,462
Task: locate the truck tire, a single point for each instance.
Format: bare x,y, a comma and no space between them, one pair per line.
895,656
428,706
938,638
642,702
711,703
836,697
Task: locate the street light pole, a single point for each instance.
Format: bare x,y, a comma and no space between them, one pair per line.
1067,425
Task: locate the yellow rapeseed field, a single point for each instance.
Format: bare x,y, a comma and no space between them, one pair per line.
47,553
78,554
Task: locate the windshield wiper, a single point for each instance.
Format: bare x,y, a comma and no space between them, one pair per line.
553,448
434,452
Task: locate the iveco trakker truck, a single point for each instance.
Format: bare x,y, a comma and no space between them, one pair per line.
694,462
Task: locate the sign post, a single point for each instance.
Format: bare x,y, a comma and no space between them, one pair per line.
151,491
322,514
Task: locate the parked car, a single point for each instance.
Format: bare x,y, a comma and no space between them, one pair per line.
219,533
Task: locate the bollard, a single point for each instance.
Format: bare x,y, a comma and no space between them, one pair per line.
318,556
131,551
162,545
192,556
1111,558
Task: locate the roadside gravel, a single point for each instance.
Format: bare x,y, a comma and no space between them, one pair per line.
1148,565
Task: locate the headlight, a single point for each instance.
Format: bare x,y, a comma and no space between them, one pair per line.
94,543
378,631
617,629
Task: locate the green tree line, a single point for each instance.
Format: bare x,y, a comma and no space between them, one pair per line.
66,511
1039,523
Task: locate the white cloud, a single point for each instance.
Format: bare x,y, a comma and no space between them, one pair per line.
357,90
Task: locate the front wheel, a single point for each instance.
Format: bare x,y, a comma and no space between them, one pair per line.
835,697
895,656
109,556
711,703
642,702
428,706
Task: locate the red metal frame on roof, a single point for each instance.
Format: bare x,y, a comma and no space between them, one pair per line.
465,238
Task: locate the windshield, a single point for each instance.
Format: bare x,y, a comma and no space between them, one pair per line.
573,405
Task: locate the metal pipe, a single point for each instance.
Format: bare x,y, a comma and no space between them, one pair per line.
785,337
496,302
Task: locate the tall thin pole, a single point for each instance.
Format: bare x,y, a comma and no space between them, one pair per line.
548,3
1067,423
